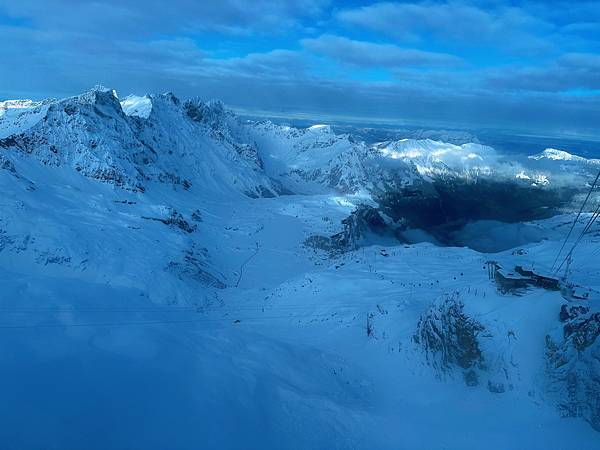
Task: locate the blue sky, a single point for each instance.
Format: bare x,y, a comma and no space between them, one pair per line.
515,64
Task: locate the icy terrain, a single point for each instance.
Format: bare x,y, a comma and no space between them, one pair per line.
172,276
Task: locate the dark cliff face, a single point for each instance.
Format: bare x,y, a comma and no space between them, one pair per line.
445,205
450,211
452,201
357,227
446,208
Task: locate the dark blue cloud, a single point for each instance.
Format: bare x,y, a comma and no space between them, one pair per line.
371,54
571,71
148,17
492,63
507,27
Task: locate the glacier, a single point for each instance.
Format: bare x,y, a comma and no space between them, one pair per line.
175,276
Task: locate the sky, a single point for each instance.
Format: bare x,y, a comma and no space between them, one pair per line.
526,65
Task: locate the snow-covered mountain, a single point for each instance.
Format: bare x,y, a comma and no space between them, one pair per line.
175,143
135,140
301,287
561,155
315,159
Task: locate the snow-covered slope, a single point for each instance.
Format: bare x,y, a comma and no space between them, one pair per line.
18,115
157,290
137,106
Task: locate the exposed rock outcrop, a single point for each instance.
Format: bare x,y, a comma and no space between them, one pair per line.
573,364
450,339
174,219
194,267
357,226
